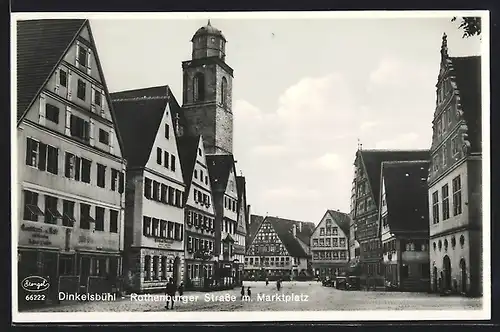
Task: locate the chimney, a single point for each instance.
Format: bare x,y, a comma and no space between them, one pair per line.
294,230
300,226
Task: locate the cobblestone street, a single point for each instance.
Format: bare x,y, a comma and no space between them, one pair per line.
300,296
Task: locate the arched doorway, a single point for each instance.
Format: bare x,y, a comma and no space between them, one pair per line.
463,276
446,273
177,270
435,278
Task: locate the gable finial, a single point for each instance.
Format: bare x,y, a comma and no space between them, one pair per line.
444,45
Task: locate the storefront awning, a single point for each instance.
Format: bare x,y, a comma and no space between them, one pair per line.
35,210
54,213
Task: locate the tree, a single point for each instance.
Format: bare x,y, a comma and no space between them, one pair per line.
470,25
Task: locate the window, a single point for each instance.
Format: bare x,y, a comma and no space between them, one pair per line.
82,56
85,216
321,231
455,145
99,218
206,179
335,231
172,162
165,159
457,196
445,155
52,159
118,181
52,113
72,167
167,131
435,163
63,78
103,136
199,151
328,242
439,128
435,207
101,175
156,191
147,267
66,265
199,87
68,213
156,266
146,226
445,121
224,91
113,221
32,149
195,174
170,230
86,164
97,98
446,202
51,213
342,242
80,92
158,155
79,128
156,227
163,193
147,188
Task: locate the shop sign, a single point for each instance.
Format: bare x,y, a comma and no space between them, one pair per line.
97,240
42,235
164,243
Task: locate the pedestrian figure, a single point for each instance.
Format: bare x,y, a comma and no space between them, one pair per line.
181,289
278,284
170,292
242,292
249,292
267,281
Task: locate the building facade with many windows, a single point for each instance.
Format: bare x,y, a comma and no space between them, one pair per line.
70,167
455,177
330,245
199,214
154,204
404,225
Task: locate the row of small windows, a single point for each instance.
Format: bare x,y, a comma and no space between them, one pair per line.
201,198
51,214
439,244
228,226
230,204
333,255
157,267
329,242
266,237
267,261
199,84
371,245
162,193
328,231
46,158
202,179
267,248
195,244
440,159
160,228
445,201
162,157
200,221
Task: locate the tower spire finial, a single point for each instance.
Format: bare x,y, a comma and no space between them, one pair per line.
208,22
444,45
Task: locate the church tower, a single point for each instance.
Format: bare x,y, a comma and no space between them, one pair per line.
207,87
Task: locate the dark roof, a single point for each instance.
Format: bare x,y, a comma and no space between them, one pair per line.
188,152
228,238
284,229
241,188
219,167
406,195
372,160
41,44
467,71
342,219
255,221
141,111
208,30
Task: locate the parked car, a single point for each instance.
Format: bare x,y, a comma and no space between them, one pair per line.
328,282
353,283
341,283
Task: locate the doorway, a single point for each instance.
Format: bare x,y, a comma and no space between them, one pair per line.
446,272
435,278
463,276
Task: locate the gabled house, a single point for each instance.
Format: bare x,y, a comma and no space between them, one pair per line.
330,245
366,186
199,213
404,224
279,249
70,169
225,194
455,178
241,227
154,217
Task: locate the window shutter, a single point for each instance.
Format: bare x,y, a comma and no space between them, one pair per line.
92,97
89,61
91,133
42,157
77,168
68,121
42,111
111,142
121,183
103,105
29,144
77,60
70,75
58,82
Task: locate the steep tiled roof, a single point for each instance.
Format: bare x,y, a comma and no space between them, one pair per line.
41,44
188,151
284,229
139,113
219,167
467,71
255,221
241,188
407,195
373,159
342,219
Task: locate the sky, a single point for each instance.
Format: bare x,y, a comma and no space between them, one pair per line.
304,92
